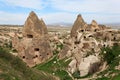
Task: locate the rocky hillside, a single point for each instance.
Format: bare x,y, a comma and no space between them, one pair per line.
92,48
83,52
13,68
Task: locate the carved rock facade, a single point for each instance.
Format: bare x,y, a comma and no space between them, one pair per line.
33,48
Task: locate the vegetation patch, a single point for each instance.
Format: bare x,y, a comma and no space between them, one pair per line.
112,56
56,67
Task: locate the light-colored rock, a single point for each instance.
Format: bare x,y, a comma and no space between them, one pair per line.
72,66
86,63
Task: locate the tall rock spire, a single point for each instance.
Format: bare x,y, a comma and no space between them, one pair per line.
79,23
94,26
33,24
34,47
79,18
43,26
94,23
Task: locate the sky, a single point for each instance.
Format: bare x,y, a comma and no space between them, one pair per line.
58,11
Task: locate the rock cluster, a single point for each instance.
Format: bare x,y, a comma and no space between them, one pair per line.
6,34
80,26
84,45
33,48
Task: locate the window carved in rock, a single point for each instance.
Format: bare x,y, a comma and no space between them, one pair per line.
29,36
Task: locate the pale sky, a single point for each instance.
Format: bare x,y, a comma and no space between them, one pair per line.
57,11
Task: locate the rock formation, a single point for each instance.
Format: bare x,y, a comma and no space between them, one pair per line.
93,27
84,46
34,46
78,24
89,65
34,25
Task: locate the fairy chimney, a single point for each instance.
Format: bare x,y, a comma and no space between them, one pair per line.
78,24
34,47
34,25
94,23
93,26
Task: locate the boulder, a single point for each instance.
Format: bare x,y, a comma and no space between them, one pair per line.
88,65
72,67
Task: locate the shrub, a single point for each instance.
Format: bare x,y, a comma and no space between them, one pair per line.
4,54
109,54
76,74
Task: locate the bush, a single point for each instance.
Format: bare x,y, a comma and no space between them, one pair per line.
76,74
4,54
60,46
8,45
109,54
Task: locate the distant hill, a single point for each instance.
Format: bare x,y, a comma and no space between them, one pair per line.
114,25
61,24
10,25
